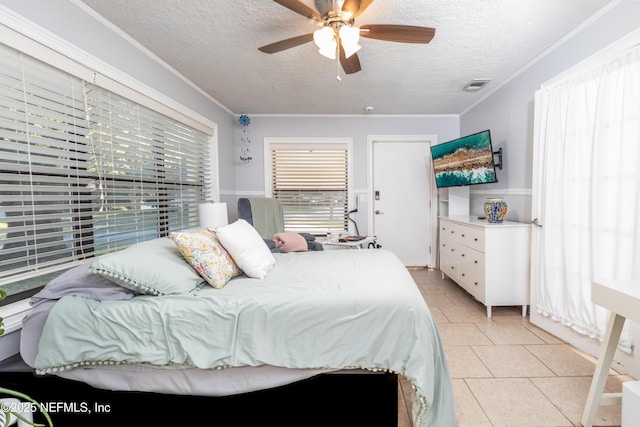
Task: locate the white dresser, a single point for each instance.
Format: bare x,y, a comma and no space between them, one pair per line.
490,261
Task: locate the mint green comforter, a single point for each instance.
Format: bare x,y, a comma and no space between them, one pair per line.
329,309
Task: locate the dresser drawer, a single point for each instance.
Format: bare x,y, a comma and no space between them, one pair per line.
472,237
453,231
472,261
447,242
449,233
471,272
449,267
449,250
474,284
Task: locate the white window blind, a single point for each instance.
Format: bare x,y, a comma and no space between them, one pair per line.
311,183
150,171
42,150
84,171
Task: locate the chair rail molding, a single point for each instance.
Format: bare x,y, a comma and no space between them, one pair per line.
503,191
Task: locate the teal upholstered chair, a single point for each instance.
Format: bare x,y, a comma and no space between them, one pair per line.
264,213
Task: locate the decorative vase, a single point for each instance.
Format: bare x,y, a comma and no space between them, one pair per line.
495,210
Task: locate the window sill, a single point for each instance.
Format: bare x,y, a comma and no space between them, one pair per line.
13,315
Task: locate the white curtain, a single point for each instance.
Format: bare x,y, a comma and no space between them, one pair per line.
587,186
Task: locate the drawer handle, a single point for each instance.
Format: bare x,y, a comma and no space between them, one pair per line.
463,255
475,283
475,239
451,267
462,274
463,235
452,249
475,261
451,231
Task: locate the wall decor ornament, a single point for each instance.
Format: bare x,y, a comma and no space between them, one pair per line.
495,209
245,139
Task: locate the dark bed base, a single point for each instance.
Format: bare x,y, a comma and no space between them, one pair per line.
325,400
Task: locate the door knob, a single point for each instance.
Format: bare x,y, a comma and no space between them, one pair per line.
378,212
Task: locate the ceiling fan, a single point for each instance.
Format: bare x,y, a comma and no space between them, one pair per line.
338,37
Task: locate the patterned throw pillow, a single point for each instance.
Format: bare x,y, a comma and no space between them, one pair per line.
207,256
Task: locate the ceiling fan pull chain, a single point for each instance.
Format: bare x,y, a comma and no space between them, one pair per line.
338,77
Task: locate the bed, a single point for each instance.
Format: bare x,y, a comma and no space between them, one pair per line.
310,314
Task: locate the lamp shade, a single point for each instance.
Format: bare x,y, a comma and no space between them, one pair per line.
213,214
325,39
329,51
350,37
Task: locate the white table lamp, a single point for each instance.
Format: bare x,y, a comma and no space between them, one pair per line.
213,214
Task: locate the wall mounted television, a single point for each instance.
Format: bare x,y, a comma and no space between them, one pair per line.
464,161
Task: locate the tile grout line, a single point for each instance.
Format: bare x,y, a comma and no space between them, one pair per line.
429,283
477,401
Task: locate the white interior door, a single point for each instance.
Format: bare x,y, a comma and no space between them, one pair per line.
402,196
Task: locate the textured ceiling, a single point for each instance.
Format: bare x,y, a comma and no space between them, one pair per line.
214,43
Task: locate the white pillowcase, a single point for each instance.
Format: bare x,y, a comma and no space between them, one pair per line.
246,247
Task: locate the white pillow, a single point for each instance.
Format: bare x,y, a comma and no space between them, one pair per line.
246,247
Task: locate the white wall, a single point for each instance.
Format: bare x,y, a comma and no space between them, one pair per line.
508,111
250,176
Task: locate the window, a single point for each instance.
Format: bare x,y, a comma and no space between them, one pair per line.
84,171
311,180
149,171
586,187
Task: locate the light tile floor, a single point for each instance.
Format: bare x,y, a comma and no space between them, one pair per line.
504,370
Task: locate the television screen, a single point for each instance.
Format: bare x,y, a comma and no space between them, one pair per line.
464,161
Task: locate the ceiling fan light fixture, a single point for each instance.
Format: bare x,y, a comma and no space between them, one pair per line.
350,49
329,50
325,39
349,36
338,35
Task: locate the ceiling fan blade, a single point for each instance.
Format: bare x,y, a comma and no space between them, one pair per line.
398,33
286,44
351,64
300,8
355,7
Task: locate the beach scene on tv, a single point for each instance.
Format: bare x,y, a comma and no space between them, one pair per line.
464,161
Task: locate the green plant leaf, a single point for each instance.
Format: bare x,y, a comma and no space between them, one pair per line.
3,295
25,397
